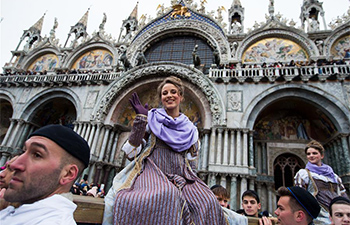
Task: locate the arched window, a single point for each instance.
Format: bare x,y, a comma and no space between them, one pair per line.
179,49
285,167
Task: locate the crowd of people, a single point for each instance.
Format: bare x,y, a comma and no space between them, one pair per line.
160,184
58,71
88,189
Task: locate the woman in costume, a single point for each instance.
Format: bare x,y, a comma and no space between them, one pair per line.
320,180
160,186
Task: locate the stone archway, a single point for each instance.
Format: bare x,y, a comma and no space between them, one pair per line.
200,84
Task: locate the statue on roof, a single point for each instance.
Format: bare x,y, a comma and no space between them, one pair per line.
202,7
141,58
53,30
195,57
124,59
237,2
104,20
314,25
160,9
236,27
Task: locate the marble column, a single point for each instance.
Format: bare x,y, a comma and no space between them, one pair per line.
104,143
264,158
9,132
15,133
114,148
205,150
245,147
270,198
219,147
232,148
239,148
109,145
96,138
346,155
243,188
340,155
233,193
251,184
337,157
212,146
83,131
99,166
226,149
212,179
91,134
223,180
4,157
251,150
24,135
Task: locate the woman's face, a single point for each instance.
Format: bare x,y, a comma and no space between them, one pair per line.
314,156
171,98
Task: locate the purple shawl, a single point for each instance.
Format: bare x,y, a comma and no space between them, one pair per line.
179,133
324,170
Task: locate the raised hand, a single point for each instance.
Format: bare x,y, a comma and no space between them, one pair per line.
137,106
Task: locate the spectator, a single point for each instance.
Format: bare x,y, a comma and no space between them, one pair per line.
221,194
339,211
296,206
53,157
251,203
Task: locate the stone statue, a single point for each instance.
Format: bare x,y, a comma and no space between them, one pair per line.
314,25
236,27
196,59
102,25
141,58
123,58
216,55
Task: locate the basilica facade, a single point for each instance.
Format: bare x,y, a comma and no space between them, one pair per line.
257,97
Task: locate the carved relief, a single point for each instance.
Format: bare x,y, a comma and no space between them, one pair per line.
234,101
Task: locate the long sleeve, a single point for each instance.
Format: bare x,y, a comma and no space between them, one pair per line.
301,179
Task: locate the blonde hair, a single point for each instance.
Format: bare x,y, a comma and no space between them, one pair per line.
171,80
316,145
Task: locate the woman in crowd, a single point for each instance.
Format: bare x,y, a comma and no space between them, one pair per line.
320,180
160,186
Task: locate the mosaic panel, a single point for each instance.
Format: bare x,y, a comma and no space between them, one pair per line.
47,62
341,48
94,59
274,50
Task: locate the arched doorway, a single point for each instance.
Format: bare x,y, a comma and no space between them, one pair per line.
6,112
285,167
55,111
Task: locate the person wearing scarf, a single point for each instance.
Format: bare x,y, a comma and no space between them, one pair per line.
160,185
320,180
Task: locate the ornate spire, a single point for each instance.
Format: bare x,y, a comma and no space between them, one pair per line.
133,14
38,25
84,19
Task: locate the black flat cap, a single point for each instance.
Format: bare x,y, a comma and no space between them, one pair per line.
338,199
306,200
66,138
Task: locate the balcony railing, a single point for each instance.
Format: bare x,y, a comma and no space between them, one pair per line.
304,73
59,79
270,74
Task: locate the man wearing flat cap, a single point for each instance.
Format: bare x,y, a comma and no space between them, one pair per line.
52,159
296,206
339,211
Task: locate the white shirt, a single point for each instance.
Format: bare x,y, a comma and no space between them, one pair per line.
55,209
